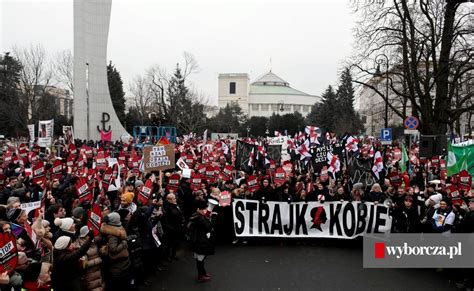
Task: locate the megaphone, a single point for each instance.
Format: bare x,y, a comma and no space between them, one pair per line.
211,203
388,203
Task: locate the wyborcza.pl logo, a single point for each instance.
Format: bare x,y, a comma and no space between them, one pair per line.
393,250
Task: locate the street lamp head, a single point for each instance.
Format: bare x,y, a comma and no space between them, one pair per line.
378,73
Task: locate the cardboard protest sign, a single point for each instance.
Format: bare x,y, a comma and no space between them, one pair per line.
158,158
360,170
45,133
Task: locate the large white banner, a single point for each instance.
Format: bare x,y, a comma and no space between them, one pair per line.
31,130
45,133
311,219
68,134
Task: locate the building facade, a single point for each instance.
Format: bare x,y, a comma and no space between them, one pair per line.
267,95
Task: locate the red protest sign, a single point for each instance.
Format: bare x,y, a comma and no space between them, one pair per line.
145,191
464,180
210,174
253,183
196,180
94,220
57,169
225,198
38,172
226,174
107,179
83,190
280,176
173,183
8,253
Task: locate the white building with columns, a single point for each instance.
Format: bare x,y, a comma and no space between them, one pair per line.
267,95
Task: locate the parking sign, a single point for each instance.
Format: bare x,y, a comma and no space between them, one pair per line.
386,136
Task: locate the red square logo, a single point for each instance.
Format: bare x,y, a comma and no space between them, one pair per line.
379,250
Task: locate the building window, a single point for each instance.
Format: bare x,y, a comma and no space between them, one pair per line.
306,108
264,107
254,107
287,107
232,88
274,107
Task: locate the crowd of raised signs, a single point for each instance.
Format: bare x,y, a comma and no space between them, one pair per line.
92,217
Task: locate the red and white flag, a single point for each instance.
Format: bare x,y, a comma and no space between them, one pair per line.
334,164
352,144
378,164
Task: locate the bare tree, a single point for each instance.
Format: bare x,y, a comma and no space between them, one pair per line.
63,68
142,98
429,45
35,77
158,81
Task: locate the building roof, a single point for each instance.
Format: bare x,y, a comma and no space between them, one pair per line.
275,90
270,79
271,84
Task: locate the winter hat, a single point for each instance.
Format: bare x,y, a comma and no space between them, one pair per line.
62,242
358,186
78,212
64,223
83,231
127,197
436,198
113,219
13,214
138,183
123,212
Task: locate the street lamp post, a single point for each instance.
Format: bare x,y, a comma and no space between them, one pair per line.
381,59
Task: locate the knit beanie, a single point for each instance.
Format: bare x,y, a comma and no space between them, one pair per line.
113,219
13,214
78,212
83,231
64,223
127,197
62,242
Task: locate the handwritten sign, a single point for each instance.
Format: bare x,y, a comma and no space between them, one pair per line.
158,158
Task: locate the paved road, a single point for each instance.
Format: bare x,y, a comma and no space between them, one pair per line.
327,265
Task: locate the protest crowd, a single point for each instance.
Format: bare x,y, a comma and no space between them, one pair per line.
94,216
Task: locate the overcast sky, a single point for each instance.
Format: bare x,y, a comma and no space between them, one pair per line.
307,41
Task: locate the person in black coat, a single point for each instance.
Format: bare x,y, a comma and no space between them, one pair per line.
200,226
67,268
406,218
173,226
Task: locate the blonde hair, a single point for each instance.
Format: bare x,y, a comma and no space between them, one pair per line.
376,188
